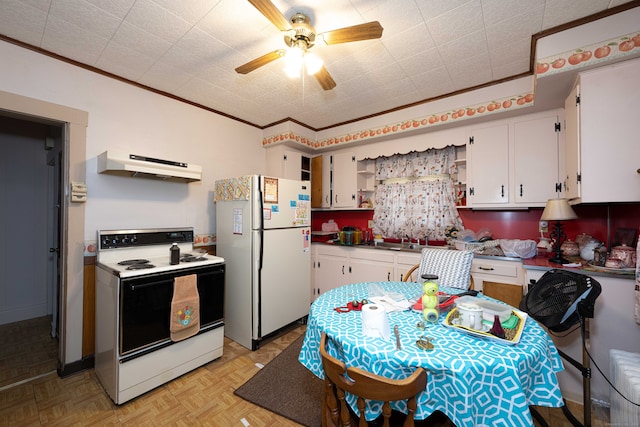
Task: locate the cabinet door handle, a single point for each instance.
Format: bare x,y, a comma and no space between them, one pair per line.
502,191
388,276
485,268
401,277
343,270
349,269
520,190
336,199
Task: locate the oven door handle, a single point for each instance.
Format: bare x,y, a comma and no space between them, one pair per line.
144,285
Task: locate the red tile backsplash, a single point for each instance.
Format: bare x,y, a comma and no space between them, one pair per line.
599,220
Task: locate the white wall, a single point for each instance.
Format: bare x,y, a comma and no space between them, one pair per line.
124,117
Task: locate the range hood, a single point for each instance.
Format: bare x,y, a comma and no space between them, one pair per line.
123,164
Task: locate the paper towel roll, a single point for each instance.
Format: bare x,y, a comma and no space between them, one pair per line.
375,322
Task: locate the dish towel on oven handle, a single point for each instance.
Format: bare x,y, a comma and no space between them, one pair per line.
185,308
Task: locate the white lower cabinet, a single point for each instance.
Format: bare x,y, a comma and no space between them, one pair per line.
499,278
329,269
370,265
338,265
334,266
404,263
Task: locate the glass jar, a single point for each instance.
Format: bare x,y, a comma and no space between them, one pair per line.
430,308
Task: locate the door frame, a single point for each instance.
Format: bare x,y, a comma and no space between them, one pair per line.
74,123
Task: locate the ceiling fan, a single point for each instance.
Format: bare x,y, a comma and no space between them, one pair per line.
300,36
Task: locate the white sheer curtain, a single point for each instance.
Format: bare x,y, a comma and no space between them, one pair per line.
417,197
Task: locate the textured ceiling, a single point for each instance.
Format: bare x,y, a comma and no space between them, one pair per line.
190,48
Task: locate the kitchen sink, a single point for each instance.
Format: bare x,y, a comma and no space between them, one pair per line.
405,247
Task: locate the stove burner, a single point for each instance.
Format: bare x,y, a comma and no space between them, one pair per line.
133,261
140,266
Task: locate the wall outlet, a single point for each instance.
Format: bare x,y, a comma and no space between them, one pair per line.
370,224
543,227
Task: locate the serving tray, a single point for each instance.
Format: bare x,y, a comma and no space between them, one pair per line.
602,268
513,334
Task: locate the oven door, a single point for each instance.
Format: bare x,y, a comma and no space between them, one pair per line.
145,307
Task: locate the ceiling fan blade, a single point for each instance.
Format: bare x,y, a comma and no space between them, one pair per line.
325,79
367,31
260,61
272,14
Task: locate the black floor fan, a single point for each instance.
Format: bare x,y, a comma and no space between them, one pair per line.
559,300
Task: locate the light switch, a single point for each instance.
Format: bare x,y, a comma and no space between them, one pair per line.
78,192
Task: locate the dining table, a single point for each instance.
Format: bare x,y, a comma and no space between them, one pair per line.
473,379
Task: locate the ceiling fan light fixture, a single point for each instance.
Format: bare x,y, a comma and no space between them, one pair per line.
312,63
294,60
299,33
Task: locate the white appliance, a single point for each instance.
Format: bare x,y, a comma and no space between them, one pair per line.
264,234
127,164
134,289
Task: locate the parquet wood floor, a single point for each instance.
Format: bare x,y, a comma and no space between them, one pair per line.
203,397
26,350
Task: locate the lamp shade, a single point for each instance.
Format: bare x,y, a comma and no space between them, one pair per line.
558,210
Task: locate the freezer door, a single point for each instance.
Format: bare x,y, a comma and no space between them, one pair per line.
285,203
235,245
285,278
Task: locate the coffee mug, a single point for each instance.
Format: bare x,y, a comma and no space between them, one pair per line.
470,315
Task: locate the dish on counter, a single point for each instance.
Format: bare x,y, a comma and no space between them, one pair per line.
513,334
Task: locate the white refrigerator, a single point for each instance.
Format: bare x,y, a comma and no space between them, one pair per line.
264,235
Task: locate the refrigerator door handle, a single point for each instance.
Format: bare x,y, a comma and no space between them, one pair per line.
261,229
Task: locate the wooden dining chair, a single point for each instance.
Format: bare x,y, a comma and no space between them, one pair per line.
452,267
367,386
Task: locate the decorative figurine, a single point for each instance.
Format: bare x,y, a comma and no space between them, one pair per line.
430,310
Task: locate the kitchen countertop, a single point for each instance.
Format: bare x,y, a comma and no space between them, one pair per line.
542,263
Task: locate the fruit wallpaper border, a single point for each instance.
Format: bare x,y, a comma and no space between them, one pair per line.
627,45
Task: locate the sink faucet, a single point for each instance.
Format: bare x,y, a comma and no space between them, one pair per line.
407,237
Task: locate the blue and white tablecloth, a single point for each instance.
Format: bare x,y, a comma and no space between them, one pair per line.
475,381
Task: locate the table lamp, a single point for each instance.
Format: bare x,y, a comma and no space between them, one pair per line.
558,210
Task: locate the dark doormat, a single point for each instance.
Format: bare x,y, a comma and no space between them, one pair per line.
287,388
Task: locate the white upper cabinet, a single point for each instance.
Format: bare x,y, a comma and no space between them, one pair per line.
488,166
515,162
344,180
341,183
571,184
603,142
288,164
537,143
